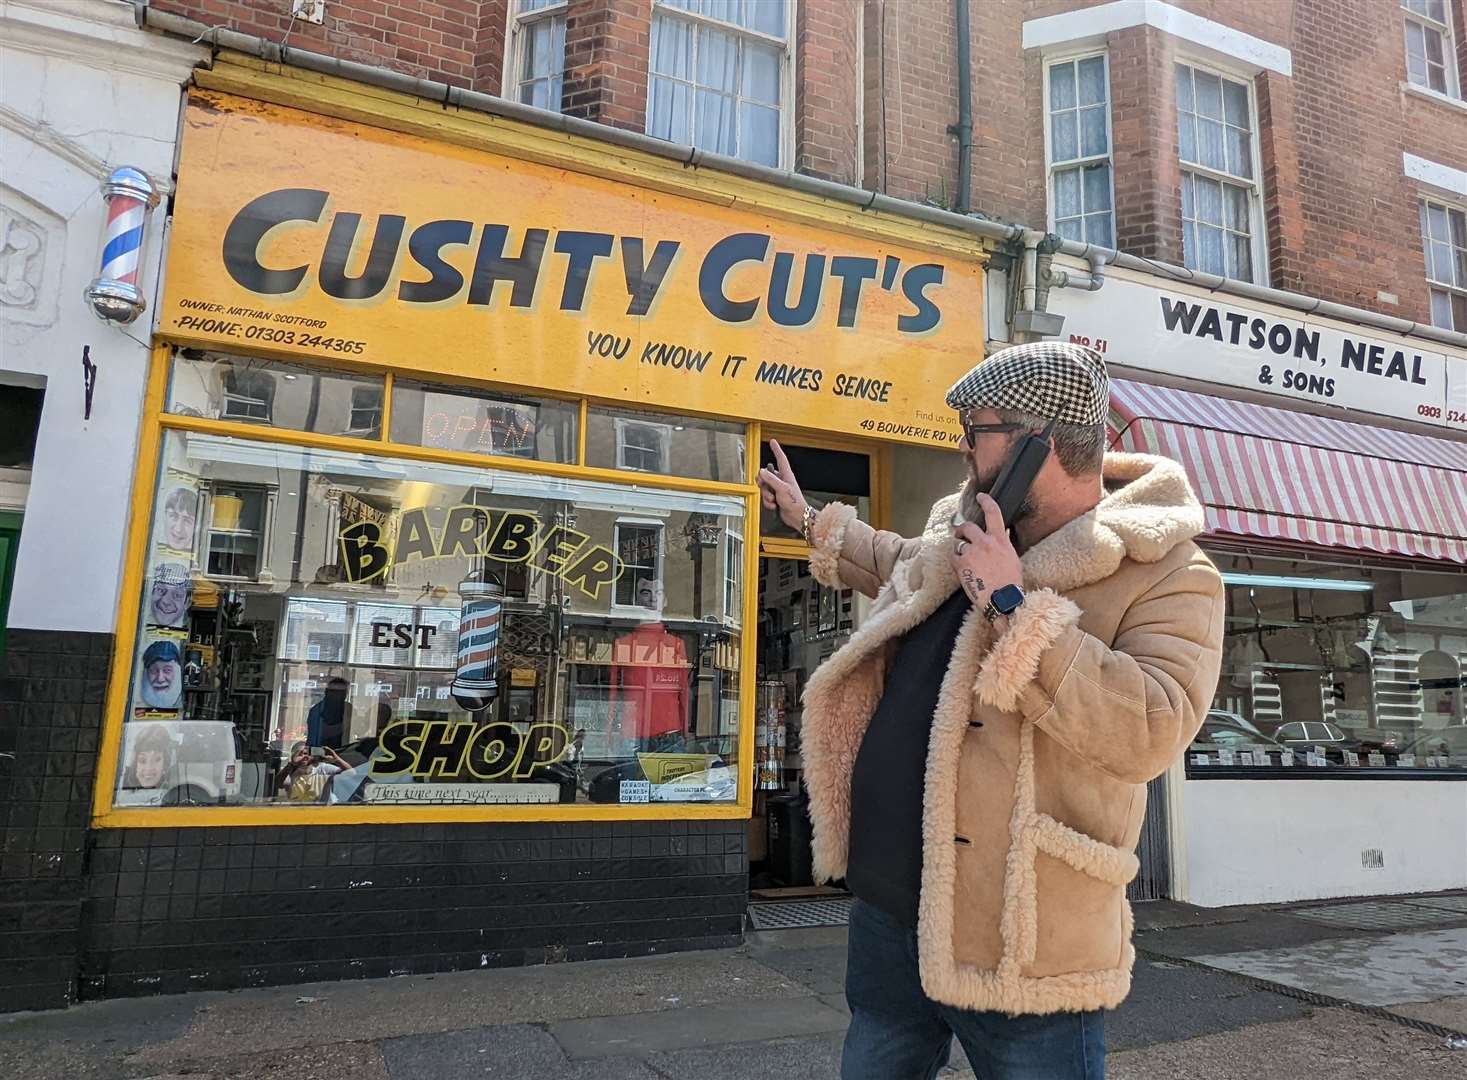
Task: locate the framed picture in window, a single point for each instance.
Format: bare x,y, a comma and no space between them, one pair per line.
829,609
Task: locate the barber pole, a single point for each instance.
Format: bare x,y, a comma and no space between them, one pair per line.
476,683
115,294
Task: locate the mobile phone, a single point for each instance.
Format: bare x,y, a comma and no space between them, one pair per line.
1017,475
316,751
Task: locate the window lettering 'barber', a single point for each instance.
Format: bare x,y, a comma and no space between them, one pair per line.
742,278
508,536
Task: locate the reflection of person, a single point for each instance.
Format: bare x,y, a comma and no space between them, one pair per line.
304,777
162,676
649,680
1064,709
330,718
180,511
168,599
152,753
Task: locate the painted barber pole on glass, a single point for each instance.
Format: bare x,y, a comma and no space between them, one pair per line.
475,683
115,293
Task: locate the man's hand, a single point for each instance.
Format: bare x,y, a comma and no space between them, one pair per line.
985,560
780,490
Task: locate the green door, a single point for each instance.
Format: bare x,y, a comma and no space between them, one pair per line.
9,544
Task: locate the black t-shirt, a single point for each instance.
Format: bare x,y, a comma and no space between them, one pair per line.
885,864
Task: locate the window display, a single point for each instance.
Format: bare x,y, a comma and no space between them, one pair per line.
403,632
1333,665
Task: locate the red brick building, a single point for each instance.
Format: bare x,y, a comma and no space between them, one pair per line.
1318,146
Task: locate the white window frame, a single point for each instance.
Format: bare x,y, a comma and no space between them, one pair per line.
664,439
1257,222
1449,49
353,428
1050,165
1434,284
518,20
269,494
787,67
733,577
660,528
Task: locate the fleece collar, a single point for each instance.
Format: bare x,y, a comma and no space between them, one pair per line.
1149,508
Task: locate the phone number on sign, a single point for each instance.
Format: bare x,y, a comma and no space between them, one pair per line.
1434,412
306,341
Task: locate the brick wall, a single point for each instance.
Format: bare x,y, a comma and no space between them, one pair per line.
826,96
606,55
460,42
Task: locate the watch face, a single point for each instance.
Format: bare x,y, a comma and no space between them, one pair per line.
1007,598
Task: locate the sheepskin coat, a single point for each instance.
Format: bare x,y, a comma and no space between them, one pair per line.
1043,739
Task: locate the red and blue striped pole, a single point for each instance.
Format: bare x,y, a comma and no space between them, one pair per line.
115,294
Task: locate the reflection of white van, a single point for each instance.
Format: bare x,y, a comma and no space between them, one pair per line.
179,762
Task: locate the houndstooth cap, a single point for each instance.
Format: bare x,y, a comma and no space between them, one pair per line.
1052,379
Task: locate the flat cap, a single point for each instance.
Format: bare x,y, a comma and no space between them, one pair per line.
1052,379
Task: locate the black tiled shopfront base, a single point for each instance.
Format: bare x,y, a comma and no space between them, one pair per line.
170,910
51,688
107,913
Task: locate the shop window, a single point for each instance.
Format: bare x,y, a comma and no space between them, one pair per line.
1221,203
719,72
290,396
1444,242
639,548
1077,109
665,445
405,632
1329,666
1430,59
541,429
536,54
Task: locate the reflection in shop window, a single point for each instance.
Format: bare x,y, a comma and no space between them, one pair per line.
482,423
366,410
667,445
1330,666
404,632
642,447
290,396
733,579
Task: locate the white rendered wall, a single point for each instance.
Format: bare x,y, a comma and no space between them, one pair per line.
83,91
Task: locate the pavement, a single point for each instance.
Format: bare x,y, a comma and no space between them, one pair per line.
1350,989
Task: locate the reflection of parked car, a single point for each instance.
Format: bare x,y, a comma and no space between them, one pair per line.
1311,733
1229,736
1449,741
201,763
1377,740
1232,719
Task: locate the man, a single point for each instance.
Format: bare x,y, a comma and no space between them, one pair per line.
977,754
162,679
329,720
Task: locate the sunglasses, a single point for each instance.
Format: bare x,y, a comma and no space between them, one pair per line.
971,431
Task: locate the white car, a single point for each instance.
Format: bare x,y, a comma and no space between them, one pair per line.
179,762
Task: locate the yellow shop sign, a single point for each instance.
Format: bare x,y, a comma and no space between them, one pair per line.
309,236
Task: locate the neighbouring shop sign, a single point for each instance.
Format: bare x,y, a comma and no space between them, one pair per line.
1193,334
306,235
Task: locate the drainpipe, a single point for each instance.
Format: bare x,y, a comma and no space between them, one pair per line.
1031,321
1060,278
963,129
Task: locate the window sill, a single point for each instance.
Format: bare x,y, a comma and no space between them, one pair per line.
1336,772
1433,95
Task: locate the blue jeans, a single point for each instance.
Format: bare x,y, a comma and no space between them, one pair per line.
898,1033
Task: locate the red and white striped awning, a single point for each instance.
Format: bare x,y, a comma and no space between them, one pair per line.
1285,475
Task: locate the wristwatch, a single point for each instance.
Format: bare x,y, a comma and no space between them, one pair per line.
1003,601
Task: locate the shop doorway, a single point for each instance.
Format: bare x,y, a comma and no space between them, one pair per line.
801,625
20,421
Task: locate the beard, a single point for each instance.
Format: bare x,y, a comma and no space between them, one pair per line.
968,500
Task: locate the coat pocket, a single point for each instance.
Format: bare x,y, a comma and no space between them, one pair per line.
1080,897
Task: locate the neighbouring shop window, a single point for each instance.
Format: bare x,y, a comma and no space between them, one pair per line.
1444,242
718,71
1430,51
1078,110
1221,225
222,386
665,445
1328,666
537,48
376,630
541,429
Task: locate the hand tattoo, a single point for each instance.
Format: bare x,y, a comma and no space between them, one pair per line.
972,583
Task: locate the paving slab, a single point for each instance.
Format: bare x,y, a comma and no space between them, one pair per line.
1449,1012
1333,1044
1171,1001
504,1052
1382,970
1262,930
697,1027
